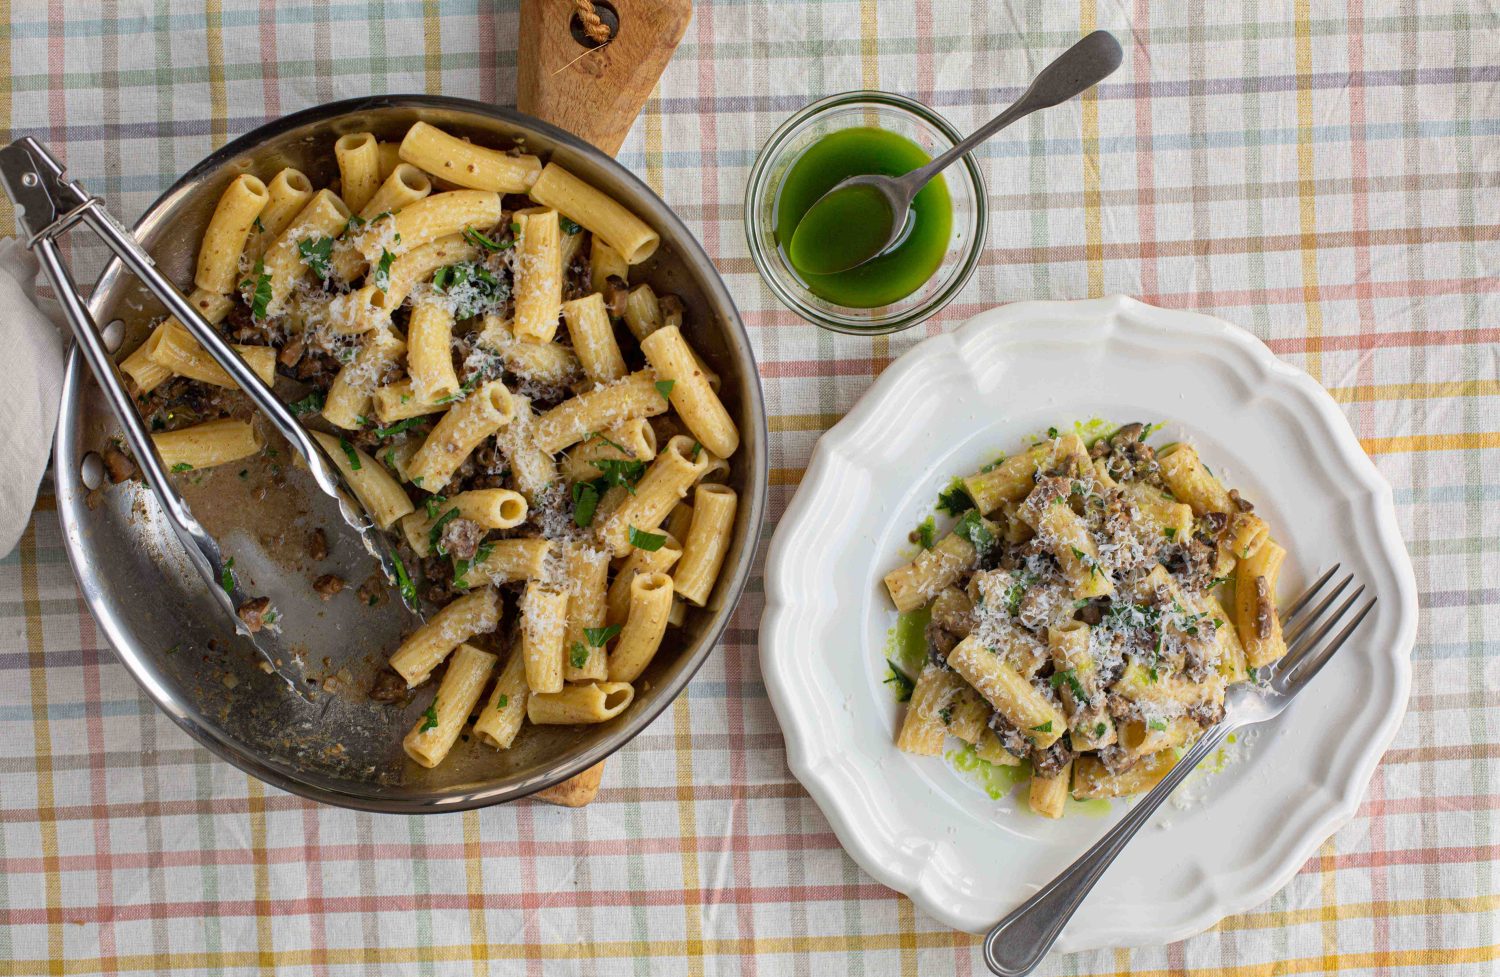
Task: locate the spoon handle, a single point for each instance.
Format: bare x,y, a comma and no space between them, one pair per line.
1073,72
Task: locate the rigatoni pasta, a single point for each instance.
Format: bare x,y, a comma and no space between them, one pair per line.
1071,617
460,356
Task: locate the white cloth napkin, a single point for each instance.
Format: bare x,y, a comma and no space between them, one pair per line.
33,351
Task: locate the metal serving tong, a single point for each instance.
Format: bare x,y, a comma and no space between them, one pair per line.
48,205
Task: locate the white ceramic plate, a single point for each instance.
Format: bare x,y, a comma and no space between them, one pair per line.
946,408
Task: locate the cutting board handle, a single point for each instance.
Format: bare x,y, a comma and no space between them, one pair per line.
595,91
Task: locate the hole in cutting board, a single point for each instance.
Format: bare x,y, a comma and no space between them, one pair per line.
607,15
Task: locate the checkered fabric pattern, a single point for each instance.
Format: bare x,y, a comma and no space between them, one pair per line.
1323,174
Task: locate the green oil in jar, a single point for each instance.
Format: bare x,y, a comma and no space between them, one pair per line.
848,227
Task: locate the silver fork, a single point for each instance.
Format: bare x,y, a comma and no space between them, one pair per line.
1018,942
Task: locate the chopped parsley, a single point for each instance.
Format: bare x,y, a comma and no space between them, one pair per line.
226,576
1045,727
257,226
399,426
258,285
955,500
599,637
403,579
1160,725
578,655
697,450
614,471
946,714
1069,676
461,567
1099,730
664,387
182,466
650,542
434,505
1052,433
431,718
316,253
501,701
351,454
464,389
473,287
902,684
435,534
382,276
972,528
1017,590
568,226
585,502
1170,532
480,240
596,436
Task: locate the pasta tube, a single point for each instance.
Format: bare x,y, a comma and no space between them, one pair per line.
429,352
433,217
1255,605
697,404
286,195
381,495
605,263
206,445
1047,795
323,216
348,399
175,349
594,339
1012,479
538,277
587,573
229,227
1012,696
425,648
576,705
665,482
435,733
633,440
544,618
490,508
645,625
707,542
501,718
639,562
461,430
466,165
358,157
604,217
596,410
149,374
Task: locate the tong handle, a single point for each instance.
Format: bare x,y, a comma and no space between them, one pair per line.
202,549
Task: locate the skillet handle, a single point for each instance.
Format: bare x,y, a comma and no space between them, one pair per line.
595,92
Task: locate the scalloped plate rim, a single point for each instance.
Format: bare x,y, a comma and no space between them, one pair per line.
806,763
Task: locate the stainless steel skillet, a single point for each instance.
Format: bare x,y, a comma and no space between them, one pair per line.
337,746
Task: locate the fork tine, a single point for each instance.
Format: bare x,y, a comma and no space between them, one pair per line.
1307,594
1297,629
1303,671
1298,650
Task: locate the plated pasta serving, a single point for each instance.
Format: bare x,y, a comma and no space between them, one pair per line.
458,326
1085,612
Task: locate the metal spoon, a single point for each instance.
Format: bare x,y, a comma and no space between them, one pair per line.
1076,70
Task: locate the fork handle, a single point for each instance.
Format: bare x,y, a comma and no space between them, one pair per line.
1018,942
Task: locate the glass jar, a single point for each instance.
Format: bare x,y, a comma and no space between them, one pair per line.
893,113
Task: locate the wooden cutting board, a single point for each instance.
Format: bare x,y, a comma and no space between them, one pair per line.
595,91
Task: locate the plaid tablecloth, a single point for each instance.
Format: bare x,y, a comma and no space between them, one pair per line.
1322,174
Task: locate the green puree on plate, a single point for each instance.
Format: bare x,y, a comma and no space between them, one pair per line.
896,273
